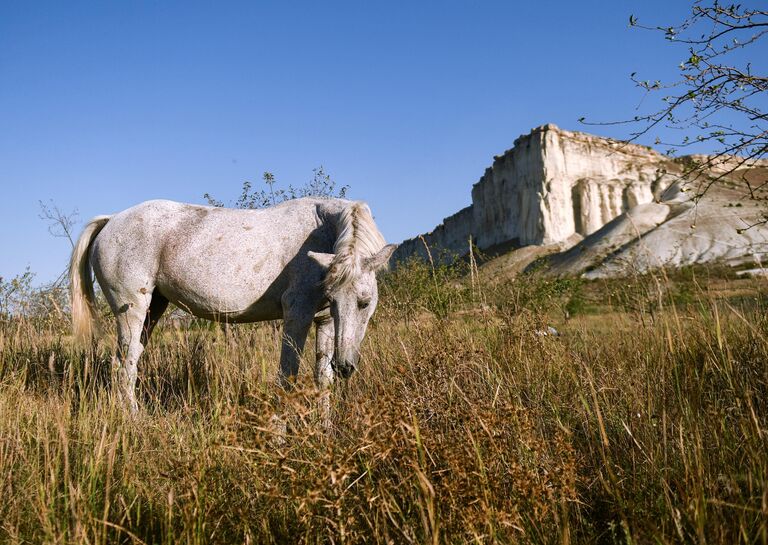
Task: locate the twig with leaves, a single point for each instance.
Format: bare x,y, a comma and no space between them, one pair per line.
717,99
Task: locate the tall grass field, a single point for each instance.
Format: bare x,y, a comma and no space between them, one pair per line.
643,420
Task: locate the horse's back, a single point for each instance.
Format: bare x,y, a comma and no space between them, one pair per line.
131,240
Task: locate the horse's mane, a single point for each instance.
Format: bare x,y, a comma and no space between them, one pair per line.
357,238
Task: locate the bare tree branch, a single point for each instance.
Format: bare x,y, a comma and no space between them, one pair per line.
717,97
60,224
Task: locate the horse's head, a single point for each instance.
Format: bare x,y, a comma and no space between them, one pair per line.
353,295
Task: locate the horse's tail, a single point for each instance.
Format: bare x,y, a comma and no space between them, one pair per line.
81,281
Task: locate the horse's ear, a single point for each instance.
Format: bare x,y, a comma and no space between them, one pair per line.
324,260
380,259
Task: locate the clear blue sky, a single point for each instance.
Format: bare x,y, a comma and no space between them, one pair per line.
106,104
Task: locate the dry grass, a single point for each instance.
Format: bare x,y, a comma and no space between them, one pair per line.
633,426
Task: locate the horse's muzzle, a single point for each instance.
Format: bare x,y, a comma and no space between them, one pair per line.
343,369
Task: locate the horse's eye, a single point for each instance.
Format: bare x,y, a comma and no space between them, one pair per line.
363,303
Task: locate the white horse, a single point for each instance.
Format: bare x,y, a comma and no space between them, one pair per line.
304,260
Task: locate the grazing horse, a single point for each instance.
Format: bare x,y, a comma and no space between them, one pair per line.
305,260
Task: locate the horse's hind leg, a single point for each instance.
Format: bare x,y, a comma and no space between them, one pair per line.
135,322
137,313
130,327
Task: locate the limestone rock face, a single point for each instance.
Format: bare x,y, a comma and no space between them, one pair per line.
556,187
551,185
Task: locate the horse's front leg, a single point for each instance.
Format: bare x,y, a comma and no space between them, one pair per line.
324,351
323,368
296,324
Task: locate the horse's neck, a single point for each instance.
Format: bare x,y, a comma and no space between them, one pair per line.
331,213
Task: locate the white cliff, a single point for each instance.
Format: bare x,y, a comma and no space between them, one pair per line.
551,185
555,187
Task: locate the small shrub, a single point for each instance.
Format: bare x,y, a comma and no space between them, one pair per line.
321,185
416,286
